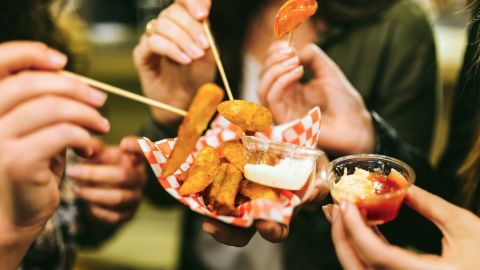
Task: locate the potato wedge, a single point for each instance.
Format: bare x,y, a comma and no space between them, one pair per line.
217,185
224,203
199,114
202,173
233,152
255,191
249,116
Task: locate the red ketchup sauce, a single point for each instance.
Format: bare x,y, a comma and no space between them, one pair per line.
383,209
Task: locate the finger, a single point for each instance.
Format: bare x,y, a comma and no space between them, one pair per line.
448,217
109,197
272,231
277,53
164,47
130,145
199,9
345,252
30,84
177,35
105,175
51,140
319,62
227,234
21,55
110,216
281,85
272,75
373,251
48,110
180,16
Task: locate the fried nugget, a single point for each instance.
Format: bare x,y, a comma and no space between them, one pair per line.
249,116
224,203
217,185
233,152
199,114
202,173
255,191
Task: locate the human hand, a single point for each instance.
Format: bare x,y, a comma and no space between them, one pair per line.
239,237
358,247
41,114
111,181
346,123
174,59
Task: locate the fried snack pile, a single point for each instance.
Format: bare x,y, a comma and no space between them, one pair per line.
292,14
247,115
222,182
199,114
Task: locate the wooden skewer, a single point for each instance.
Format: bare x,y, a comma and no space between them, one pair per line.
290,38
124,93
213,45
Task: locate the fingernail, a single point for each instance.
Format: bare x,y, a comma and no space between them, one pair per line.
185,59
298,69
287,51
195,51
343,206
76,189
97,97
335,213
57,58
327,211
209,228
199,11
291,62
106,124
202,39
74,171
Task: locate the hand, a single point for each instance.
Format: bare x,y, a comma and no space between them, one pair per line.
111,181
41,114
174,60
346,123
358,247
239,237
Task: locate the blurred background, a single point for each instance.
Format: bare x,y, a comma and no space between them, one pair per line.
103,33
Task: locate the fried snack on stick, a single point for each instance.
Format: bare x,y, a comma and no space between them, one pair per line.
217,185
255,191
233,151
199,114
249,116
224,203
292,14
202,173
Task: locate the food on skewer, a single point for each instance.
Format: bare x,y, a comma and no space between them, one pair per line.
292,14
201,110
247,115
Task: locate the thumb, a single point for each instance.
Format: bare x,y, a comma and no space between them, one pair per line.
20,55
130,145
448,217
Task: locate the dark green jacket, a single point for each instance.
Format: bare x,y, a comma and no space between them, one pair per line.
391,61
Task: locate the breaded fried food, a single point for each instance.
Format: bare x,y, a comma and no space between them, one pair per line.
217,185
224,203
292,14
202,173
249,116
199,114
255,191
233,152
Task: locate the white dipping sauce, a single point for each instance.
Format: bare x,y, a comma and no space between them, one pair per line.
291,174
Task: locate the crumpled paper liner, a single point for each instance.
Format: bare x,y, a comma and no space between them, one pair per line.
304,131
